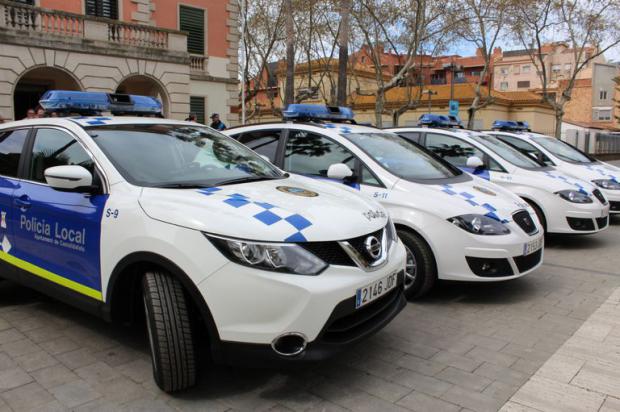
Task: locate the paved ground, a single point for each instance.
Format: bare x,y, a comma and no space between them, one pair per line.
465,347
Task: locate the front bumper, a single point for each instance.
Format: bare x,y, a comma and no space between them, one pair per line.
251,306
578,219
463,255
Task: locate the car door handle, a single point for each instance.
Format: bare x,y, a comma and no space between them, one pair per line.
23,202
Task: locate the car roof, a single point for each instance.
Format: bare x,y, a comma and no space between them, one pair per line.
323,126
87,121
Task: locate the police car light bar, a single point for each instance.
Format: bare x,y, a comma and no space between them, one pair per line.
439,120
68,101
510,125
310,112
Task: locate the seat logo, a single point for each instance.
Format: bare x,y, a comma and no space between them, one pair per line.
373,247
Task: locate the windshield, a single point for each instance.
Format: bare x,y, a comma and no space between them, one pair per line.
562,150
168,155
400,157
505,151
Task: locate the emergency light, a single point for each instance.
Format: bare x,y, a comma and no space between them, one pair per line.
439,120
93,103
310,112
510,125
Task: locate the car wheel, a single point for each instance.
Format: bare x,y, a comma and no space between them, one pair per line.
539,214
169,331
420,270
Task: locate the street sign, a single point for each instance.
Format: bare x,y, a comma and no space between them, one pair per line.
454,108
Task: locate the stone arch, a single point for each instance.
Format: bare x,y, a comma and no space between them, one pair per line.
147,85
35,81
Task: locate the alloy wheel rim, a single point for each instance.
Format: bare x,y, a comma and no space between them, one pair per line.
411,269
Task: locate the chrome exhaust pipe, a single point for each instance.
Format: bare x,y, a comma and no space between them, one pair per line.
289,344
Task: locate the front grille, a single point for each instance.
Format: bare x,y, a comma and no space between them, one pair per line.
525,222
358,243
576,223
597,194
525,263
330,252
347,324
614,206
602,222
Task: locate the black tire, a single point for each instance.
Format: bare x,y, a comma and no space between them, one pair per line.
170,332
539,214
423,279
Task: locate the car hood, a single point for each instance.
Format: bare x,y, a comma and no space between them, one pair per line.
554,181
475,196
595,171
295,209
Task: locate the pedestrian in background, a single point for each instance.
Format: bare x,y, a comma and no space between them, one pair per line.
31,114
216,123
191,118
41,113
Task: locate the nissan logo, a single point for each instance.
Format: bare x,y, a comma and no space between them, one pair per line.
373,247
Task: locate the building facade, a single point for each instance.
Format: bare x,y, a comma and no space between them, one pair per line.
183,52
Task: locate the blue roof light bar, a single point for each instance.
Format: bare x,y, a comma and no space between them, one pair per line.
439,121
510,125
69,101
310,112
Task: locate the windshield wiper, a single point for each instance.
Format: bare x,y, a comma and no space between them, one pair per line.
181,186
248,179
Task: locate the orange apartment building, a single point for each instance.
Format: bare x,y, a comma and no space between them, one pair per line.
181,51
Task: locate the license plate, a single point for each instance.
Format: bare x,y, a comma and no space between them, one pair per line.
375,290
532,246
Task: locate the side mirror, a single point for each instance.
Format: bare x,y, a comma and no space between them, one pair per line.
69,178
474,162
339,171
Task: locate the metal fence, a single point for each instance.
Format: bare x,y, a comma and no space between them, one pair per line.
595,143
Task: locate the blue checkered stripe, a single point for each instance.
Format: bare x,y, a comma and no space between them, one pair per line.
566,180
266,213
469,198
91,121
602,172
341,128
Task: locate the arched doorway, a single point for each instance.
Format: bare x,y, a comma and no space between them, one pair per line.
145,86
34,83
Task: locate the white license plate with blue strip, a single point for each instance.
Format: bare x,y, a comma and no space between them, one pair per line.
375,290
533,246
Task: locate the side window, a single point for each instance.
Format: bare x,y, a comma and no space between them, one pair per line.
311,154
54,147
411,136
368,178
11,145
525,147
263,142
452,149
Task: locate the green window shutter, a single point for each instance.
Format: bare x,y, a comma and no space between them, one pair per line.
197,106
102,8
192,21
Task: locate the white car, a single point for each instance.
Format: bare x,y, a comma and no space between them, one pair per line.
454,226
563,204
568,160
123,215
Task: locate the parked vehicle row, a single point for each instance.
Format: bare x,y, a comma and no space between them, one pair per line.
283,243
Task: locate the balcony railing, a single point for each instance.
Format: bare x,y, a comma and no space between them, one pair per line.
21,17
197,63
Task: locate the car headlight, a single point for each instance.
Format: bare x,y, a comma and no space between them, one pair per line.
275,257
609,184
574,196
480,225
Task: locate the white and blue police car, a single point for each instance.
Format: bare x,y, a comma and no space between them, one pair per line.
454,226
222,251
564,157
563,204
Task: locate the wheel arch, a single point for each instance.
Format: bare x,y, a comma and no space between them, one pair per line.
407,228
124,287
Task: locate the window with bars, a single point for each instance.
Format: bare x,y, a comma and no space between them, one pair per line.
192,21
102,8
197,107
523,84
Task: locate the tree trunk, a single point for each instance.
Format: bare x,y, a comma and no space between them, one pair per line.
559,115
289,89
379,109
343,54
471,117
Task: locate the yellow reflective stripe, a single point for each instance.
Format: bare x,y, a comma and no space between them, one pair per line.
52,277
